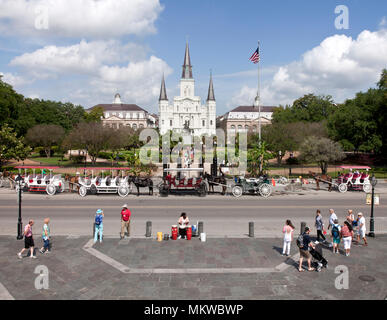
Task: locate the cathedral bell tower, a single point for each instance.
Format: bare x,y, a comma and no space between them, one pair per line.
187,83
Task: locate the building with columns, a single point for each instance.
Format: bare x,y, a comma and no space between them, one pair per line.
186,114
118,114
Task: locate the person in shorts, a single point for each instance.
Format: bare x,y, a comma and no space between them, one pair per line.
362,229
304,250
28,240
336,235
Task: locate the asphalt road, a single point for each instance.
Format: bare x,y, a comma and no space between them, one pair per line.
222,215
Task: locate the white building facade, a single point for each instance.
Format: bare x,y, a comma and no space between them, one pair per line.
186,114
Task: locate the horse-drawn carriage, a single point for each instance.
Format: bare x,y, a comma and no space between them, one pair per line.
174,185
108,184
358,181
244,185
43,182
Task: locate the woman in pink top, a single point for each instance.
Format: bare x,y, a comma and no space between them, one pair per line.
347,235
28,240
288,237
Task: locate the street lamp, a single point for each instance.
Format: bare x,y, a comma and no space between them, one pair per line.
374,181
84,170
19,180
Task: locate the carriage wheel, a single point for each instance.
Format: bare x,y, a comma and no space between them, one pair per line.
163,190
237,191
123,191
265,190
367,188
202,190
93,189
50,189
343,187
82,191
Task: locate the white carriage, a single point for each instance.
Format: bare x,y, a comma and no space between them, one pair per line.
32,182
354,180
101,184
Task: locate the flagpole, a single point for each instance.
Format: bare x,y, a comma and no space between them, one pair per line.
258,95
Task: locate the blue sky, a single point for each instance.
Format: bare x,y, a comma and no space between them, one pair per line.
125,46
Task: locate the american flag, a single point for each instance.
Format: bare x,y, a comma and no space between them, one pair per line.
255,57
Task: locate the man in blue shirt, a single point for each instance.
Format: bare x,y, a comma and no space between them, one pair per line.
98,225
304,250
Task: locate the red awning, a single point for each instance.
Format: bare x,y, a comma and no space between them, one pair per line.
355,167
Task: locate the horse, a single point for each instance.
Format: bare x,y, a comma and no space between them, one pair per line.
216,180
324,178
141,183
73,181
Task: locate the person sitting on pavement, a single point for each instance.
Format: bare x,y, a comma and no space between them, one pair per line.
183,222
336,235
125,220
304,250
288,237
98,225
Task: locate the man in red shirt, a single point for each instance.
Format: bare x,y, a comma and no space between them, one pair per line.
125,220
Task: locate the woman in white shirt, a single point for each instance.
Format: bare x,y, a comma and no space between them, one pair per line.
288,237
183,223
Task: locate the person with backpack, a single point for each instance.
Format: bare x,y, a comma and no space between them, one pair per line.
336,235
288,237
319,226
98,223
125,220
28,240
347,235
332,219
304,242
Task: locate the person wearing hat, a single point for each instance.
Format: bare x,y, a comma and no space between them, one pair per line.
98,223
125,220
304,250
362,229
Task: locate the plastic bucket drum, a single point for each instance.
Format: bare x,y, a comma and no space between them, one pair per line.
203,237
174,232
189,232
159,236
194,230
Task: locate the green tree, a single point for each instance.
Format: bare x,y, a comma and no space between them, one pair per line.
11,147
46,136
321,150
95,115
257,159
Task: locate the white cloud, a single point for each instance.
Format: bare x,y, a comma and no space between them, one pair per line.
339,66
15,80
383,22
98,70
79,18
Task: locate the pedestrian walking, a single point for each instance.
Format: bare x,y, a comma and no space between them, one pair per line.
362,229
98,222
28,240
125,220
319,226
183,223
350,217
332,219
288,237
46,237
336,235
304,242
347,235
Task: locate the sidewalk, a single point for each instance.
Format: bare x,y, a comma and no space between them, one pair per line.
221,268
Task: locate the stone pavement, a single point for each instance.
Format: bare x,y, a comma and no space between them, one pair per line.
221,268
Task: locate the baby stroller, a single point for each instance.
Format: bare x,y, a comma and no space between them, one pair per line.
318,260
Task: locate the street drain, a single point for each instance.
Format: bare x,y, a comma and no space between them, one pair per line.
367,278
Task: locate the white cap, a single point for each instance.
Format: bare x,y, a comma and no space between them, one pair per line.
125,206
359,214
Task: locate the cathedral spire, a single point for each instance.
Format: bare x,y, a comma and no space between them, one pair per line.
211,95
187,68
163,91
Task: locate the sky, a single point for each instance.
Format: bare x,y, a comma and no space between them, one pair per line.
85,51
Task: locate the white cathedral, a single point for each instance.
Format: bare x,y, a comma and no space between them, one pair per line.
187,115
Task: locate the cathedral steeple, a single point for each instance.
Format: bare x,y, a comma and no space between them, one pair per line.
163,91
211,95
187,68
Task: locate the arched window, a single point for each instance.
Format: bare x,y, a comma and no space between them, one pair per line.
239,127
134,126
232,127
141,126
